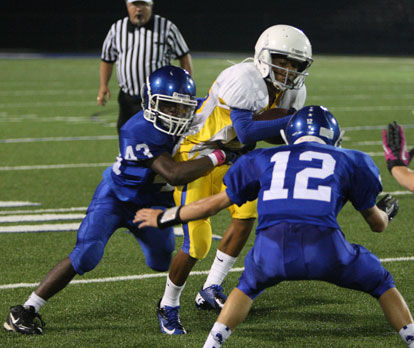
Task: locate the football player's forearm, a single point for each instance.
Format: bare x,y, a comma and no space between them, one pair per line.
184,172
249,131
404,176
375,218
205,207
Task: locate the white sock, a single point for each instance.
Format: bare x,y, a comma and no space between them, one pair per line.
221,266
172,294
407,334
218,334
35,301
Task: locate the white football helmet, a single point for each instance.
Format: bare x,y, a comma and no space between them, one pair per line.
287,42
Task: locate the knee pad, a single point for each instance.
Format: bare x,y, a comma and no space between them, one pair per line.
85,257
159,262
197,235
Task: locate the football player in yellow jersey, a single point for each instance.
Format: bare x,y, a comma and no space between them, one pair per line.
275,79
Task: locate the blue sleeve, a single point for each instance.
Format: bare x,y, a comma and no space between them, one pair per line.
242,181
249,131
366,183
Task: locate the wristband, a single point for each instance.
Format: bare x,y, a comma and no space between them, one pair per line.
170,217
218,157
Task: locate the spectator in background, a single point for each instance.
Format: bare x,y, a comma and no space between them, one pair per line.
397,155
139,44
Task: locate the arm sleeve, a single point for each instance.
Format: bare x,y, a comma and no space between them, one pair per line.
249,131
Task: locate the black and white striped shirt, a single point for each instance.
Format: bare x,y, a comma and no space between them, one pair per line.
138,51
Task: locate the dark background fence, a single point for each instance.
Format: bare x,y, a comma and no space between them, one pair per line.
380,27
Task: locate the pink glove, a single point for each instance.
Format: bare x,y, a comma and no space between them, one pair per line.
395,147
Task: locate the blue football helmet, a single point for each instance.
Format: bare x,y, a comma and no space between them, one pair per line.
168,100
313,123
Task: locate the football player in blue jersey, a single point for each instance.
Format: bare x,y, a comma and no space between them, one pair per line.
142,176
301,187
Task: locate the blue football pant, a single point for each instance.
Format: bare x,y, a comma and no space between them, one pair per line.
292,251
105,214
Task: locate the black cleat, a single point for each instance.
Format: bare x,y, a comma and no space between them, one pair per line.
21,319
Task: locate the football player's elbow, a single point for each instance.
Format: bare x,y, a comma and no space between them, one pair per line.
379,224
175,178
376,219
379,227
245,138
175,181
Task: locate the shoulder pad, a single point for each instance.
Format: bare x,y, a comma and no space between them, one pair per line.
242,87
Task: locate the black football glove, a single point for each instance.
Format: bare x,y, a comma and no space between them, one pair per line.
231,156
395,147
390,205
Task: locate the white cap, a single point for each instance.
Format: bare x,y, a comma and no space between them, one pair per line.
147,1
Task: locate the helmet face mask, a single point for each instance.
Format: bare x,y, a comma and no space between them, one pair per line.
171,115
169,100
283,41
313,123
283,77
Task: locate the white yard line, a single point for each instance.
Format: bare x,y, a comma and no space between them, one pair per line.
396,193
156,275
47,104
111,279
360,97
13,204
372,108
56,166
363,128
67,227
375,154
63,92
41,211
58,139
40,217
40,228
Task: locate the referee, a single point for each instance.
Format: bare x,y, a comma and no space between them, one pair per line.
139,44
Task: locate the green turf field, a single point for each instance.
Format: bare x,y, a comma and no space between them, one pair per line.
55,142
